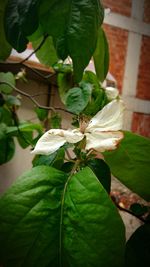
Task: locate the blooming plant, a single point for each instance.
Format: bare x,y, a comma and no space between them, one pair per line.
60,213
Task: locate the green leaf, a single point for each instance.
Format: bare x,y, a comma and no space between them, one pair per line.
14,34
138,209
130,163
102,172
7,149
41,113
30,219
24,127
3,130
47,53
6,116
5,48
70,34
65,82
12,100
101,56
7,77
138,247
55,120
28,15
49,219
77,98
55,159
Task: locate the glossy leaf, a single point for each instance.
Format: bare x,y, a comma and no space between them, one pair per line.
102,172
47,53
49,219
7,149
101,56
138,247
71,37
77,98
9,78
5,47
130,163
30,219
14,34
28,15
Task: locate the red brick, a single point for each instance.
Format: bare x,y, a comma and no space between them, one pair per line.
141,124
122,7
147,11
117,40
143,85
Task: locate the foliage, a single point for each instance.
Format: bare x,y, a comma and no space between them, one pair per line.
60,213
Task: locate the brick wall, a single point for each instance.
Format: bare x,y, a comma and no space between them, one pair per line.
141,124
147,11
143,86
122,7
117,39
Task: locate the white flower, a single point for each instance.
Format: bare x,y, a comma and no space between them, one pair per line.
111,93
102,133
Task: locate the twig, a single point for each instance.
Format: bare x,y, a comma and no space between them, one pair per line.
38,48
33,100
130,212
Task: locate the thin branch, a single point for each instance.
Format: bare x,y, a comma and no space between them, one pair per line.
33,100
130,212
38,48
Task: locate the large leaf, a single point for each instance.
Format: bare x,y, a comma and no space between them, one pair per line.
5,47
101,56
130,163
138,247
13,31
48,219
77,98
47,53
73,25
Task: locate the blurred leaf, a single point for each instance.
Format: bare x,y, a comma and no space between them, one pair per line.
9,78
6,115
130,163
5,47
101,56
55,121
47,53
138,209
138,248
102,172
41,113
77,98
3,130
12,100
65,82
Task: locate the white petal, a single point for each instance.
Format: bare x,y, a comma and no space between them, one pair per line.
110,118
103,141
54,139
111,93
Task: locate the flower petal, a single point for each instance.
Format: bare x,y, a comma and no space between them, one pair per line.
103,141
54,139
110,118
111,93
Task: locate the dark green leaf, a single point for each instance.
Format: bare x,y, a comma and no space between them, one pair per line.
30,219
65,82
101,56
28,15
3,130
138,247
47,53
5,47
7,77
130,163
55,160
25,139
41,113
14,34
6,116
77,98
7,149
102,172
71,37
138,209
55,121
